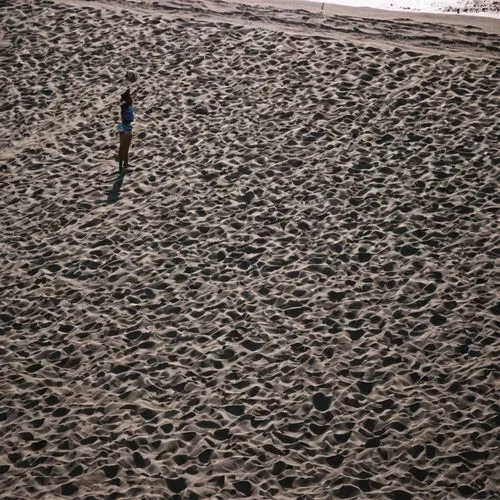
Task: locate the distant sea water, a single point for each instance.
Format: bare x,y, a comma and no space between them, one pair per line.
490,8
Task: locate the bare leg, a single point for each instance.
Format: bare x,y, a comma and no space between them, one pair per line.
121,150
126,146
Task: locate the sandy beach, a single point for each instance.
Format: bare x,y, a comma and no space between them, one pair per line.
290,294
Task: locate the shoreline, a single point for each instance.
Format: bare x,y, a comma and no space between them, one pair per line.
428,7
489,24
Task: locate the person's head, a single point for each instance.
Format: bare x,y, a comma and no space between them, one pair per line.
127,97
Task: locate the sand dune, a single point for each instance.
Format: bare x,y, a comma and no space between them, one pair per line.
289,295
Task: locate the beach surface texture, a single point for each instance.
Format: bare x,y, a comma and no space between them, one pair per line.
290,293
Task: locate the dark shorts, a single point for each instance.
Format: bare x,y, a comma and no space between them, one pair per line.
124,128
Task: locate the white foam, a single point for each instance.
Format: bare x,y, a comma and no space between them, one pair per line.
414,5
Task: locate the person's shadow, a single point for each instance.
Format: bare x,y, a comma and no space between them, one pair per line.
114,193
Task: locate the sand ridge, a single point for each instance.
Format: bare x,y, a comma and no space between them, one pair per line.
463,35
290,295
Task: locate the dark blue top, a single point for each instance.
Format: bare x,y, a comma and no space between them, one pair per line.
127,113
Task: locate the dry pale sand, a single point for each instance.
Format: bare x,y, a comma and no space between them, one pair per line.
290,295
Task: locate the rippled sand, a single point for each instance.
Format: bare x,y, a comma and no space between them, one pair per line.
289,295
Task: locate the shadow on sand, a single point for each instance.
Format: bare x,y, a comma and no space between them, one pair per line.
114,193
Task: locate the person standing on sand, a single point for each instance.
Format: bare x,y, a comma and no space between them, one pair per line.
125,127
